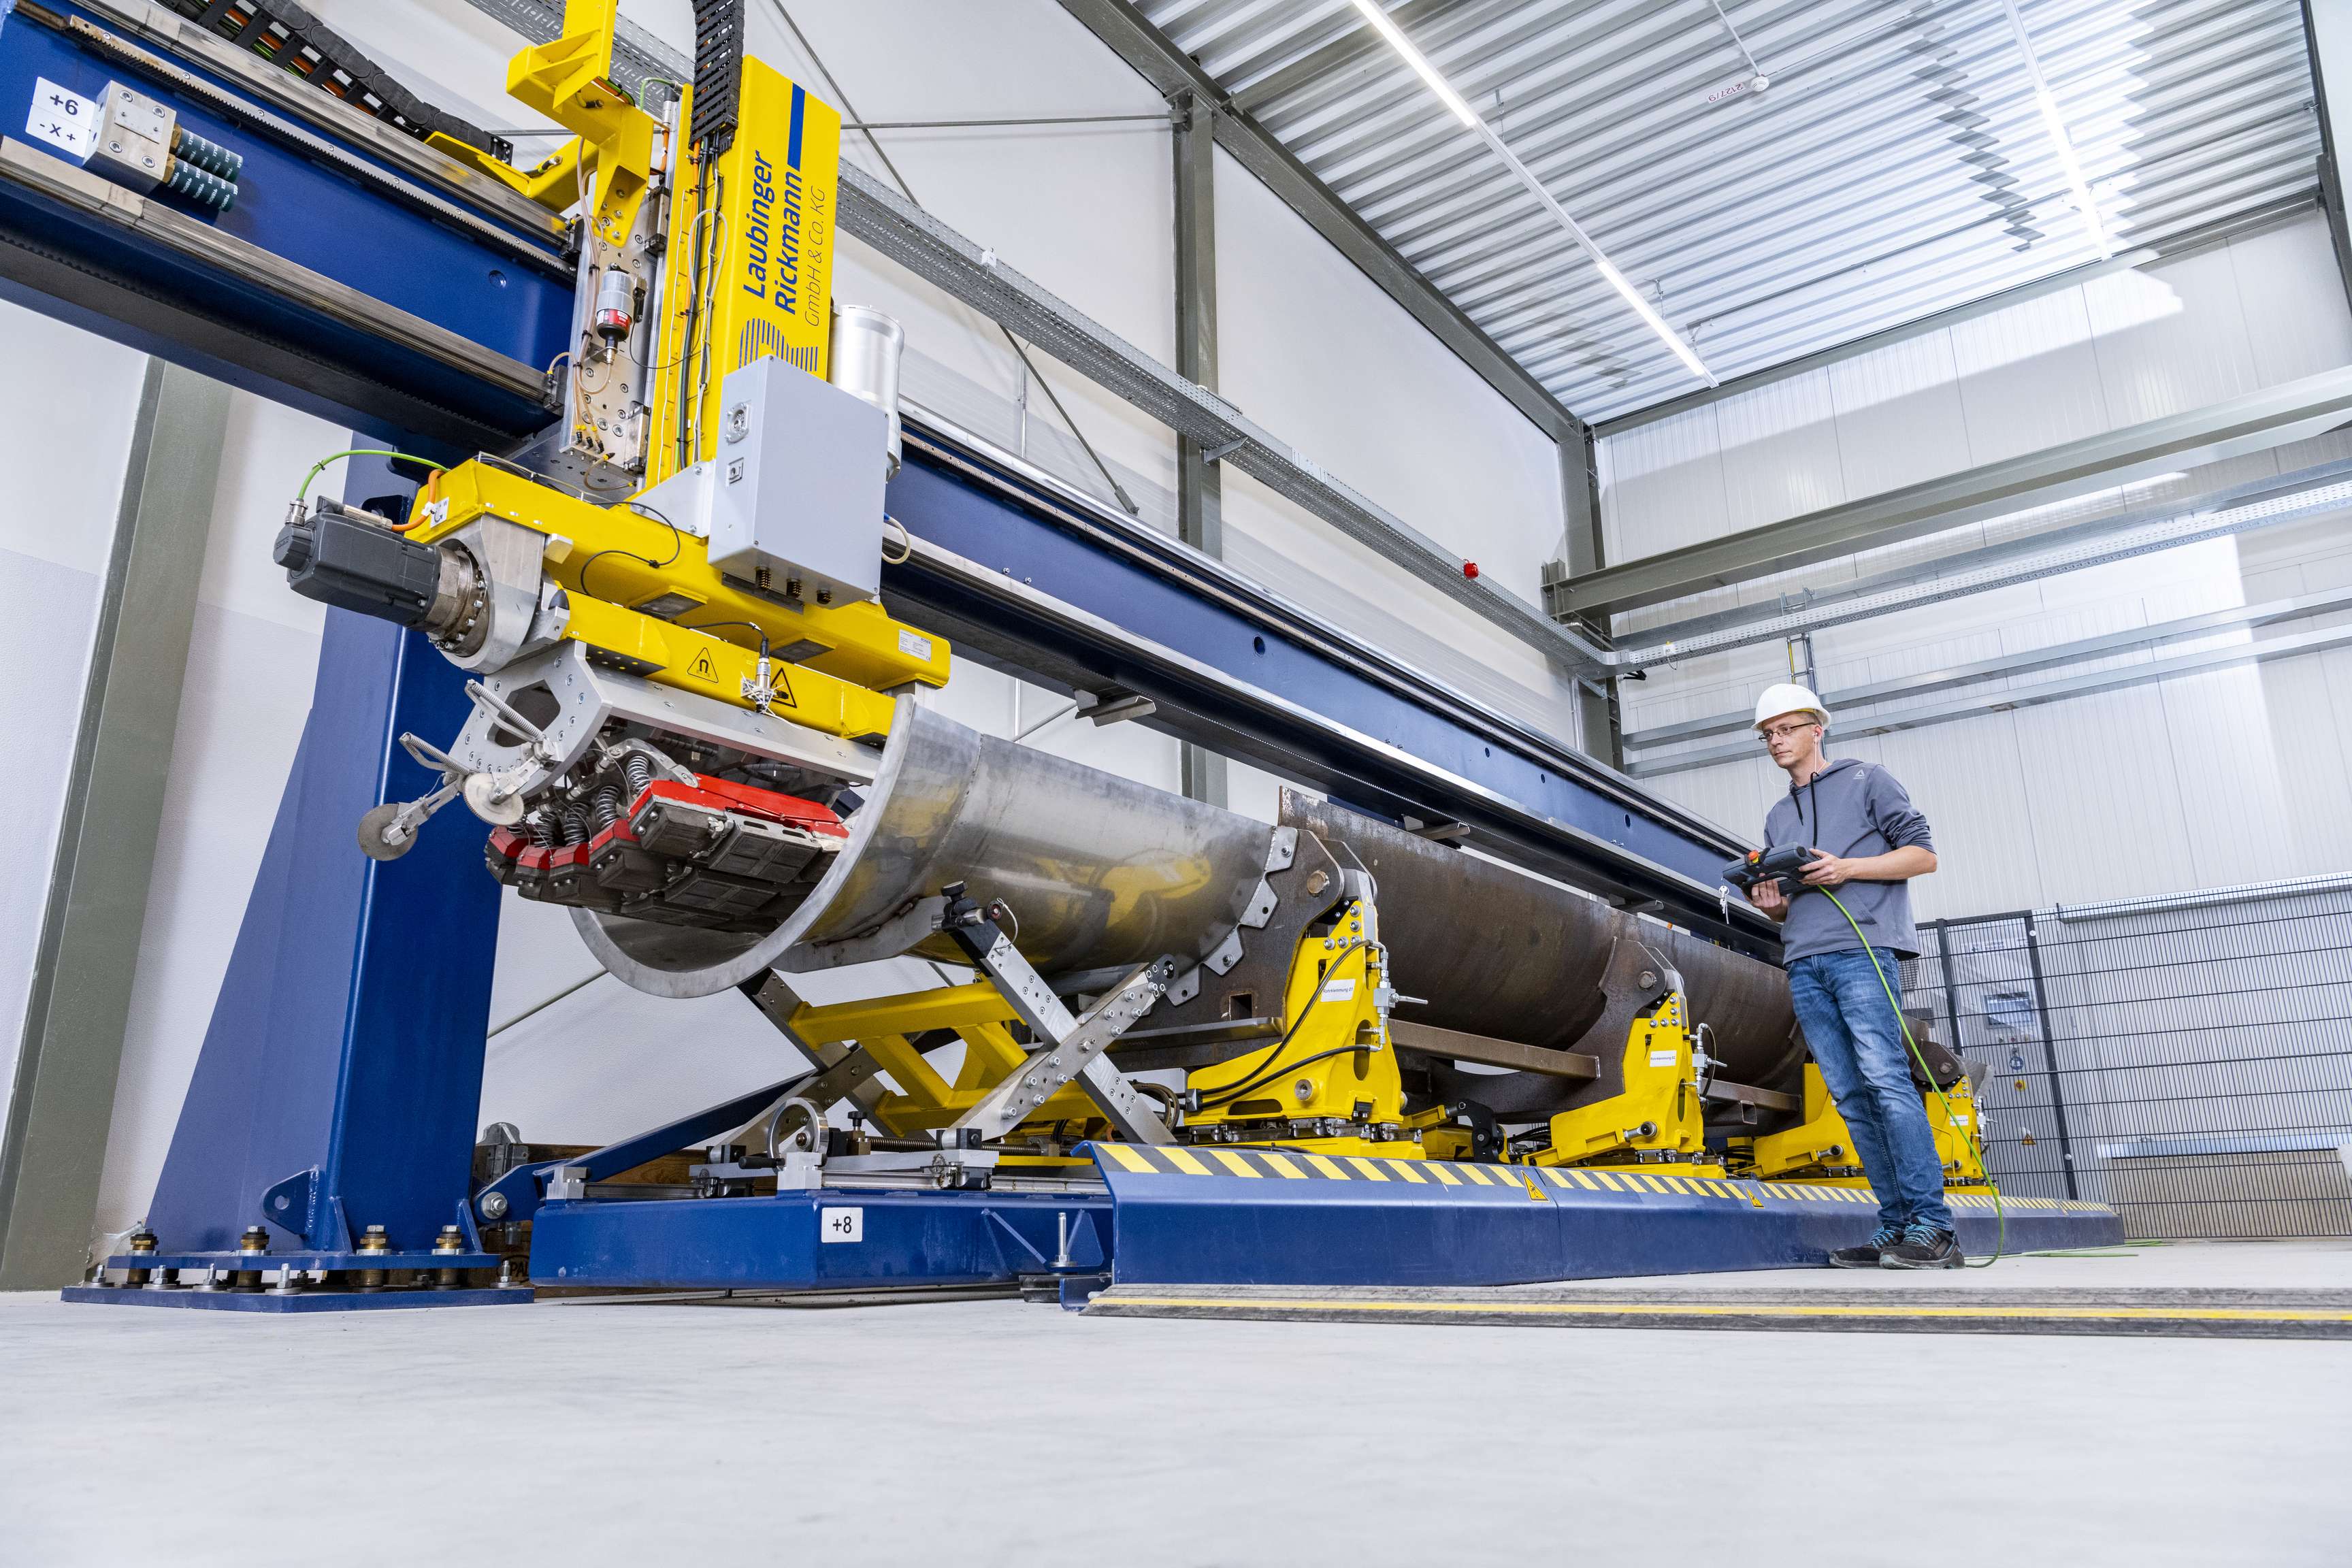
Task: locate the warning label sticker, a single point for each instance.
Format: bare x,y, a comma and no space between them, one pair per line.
703,668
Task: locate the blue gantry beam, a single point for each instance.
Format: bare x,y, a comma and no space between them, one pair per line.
355,276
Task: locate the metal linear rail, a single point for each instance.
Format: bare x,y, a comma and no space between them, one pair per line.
417,308
367,143
2082,685
912,238
2026,663
2232,428
1029,573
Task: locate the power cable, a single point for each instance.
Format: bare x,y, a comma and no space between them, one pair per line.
1126,502
2000,1215
1216,1097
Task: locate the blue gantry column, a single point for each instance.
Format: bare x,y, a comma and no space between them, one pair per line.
342,1069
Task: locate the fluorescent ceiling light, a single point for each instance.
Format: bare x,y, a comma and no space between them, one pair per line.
2055,125
1462,112
1414,58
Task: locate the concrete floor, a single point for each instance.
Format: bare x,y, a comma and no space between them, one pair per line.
989,1433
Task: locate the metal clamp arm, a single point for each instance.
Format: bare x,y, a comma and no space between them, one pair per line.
1072,1048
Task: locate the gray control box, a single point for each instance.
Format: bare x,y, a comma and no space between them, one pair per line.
800,467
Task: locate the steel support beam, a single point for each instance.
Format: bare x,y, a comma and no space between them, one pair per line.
1028,574
1854,348
67,1061
1200,489
1155,57
2255,422
1953,677
1599,733
2327,35
2081,685
2184,519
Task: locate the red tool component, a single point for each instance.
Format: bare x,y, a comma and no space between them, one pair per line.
706,853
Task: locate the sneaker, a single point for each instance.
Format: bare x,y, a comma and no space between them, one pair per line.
1924,1247
1867,1256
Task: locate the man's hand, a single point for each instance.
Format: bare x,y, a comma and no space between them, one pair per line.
1828,871
1894,865
1766,896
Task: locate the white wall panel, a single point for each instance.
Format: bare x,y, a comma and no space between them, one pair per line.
2172,336
2105,804
1964,778
1661,485
52,615
2280,273
68,409
2029,377
1781,456
1899,414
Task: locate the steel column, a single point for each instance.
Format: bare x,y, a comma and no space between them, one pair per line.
63,1105
1585,550
1200,487
1159,61
2327,36
341,1074
2050,1056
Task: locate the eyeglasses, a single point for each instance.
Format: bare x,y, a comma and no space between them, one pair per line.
1786,732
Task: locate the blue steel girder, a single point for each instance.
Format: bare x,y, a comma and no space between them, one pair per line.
450,306
330,281
1056,589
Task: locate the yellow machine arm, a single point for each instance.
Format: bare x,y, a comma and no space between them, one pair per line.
570,80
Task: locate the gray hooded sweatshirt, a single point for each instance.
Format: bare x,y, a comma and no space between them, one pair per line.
1849,808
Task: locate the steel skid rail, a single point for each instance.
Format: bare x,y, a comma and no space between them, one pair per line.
1174,1216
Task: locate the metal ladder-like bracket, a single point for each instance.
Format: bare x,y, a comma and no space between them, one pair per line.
1070,1048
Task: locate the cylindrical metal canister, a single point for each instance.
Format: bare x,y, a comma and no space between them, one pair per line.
864,360
1097,870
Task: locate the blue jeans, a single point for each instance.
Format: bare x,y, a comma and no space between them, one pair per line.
1857,1041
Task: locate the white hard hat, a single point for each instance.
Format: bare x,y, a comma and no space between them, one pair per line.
1785,699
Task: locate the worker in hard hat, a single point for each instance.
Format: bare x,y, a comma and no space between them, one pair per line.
1845,968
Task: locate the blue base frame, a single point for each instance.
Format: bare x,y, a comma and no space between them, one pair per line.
1292,1220
1278,1219
800,1241
313,1301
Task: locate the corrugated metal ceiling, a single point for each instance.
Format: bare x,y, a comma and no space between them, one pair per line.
1895,167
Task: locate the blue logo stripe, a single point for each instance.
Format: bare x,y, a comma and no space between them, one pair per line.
793,150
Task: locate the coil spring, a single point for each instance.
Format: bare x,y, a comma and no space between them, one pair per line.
543,830
604,808
638,769
575,822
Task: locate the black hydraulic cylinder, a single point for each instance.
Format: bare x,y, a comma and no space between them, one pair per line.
352,562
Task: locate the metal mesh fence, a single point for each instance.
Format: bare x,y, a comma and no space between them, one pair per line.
2187,1059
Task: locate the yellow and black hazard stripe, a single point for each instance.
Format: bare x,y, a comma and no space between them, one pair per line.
1471,1180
